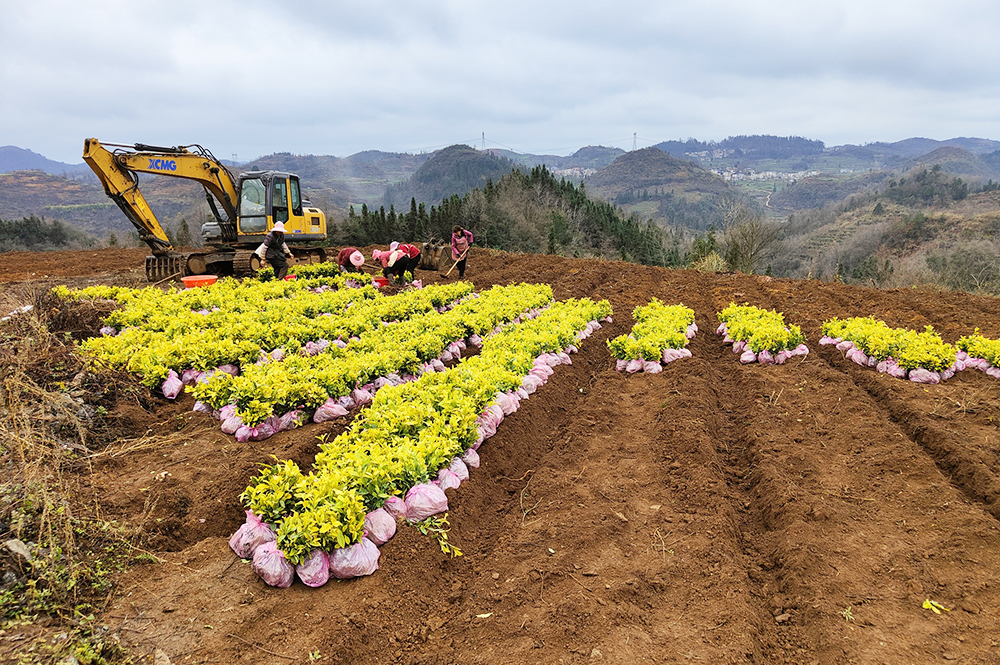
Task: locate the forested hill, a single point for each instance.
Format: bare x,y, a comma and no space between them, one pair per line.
521,212
653,168
454,170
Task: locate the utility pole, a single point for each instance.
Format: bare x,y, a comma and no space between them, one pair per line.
484,141
634,143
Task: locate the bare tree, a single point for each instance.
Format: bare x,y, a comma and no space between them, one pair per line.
748,238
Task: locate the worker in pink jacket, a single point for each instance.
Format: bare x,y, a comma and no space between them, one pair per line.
461,241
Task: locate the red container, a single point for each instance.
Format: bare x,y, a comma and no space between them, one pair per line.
193,281
380,281
289,278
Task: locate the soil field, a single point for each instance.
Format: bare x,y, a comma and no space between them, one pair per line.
713,513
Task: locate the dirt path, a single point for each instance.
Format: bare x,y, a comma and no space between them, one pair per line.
713,513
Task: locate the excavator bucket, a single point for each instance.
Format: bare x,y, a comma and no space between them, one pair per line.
159,268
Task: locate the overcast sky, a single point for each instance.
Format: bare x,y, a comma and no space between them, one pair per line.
252,78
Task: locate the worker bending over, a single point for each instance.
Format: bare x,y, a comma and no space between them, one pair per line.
350,260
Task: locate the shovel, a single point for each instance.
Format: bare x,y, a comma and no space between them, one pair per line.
460,259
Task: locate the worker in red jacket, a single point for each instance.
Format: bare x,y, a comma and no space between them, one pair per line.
350,260
398,260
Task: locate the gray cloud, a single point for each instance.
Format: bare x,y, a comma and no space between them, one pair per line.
318,77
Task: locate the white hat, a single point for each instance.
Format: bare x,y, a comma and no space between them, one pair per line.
393,245
357,259
279,227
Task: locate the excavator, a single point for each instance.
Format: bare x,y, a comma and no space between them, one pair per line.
245,208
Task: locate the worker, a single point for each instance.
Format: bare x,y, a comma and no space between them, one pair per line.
274,249
398,261
412,255
460,244
350,260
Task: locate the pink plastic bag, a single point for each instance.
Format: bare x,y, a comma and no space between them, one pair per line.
845,346
448,480
250,535
395,506
229,369
232,423
498,414
739,347
620,365
290,420
189,377
329,410
471,459
765,357
531,383
258,433
858,356
270,564
354,561
380,526
424,500
172,386
921,375
315,570
459,468
633,366
651,367
748,356
361,397
201,407
506,403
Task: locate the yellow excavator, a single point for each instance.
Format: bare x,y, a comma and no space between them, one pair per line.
245,208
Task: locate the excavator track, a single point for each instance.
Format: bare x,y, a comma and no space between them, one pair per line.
246,264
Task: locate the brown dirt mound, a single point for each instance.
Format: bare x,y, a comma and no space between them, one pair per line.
713,513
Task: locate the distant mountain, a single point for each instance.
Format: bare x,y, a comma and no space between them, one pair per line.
334,183
755,147
585,159
953,160
654,185
13,158
651,168
455,170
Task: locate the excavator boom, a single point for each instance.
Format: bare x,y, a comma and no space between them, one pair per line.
245,209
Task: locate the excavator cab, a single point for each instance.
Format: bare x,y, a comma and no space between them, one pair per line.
269,197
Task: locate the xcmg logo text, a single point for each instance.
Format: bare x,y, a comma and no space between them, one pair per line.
162,165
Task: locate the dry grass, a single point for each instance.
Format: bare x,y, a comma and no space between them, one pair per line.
51,418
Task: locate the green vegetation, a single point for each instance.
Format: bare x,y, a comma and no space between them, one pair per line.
521,212
33,234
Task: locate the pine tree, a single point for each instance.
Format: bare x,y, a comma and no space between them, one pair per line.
183,234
